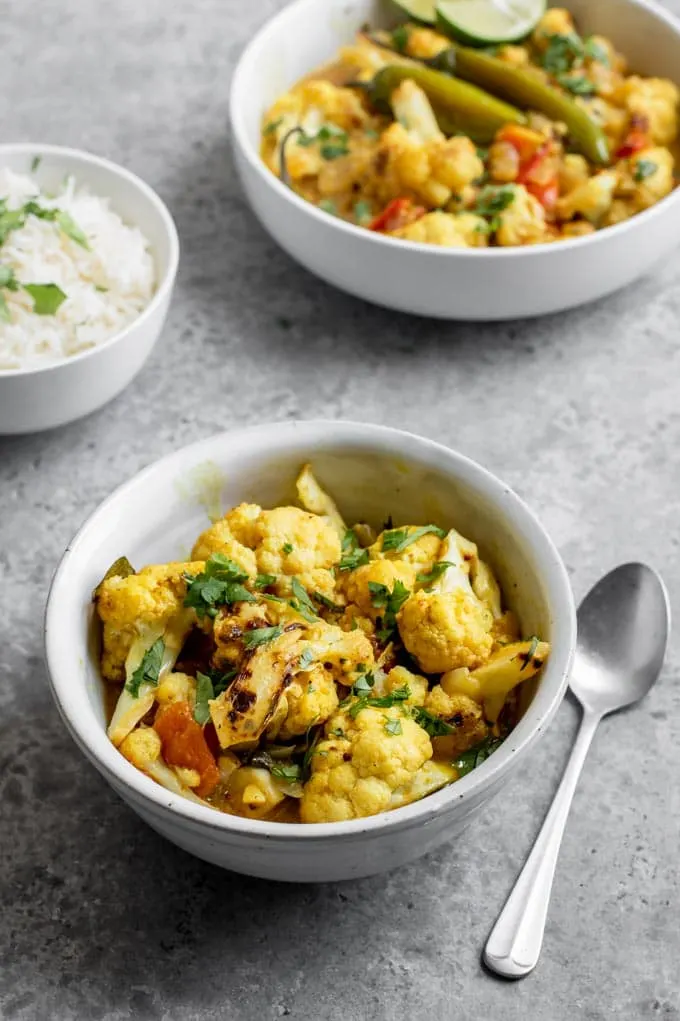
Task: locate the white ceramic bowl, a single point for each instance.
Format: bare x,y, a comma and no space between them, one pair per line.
498,283
372,472
41,398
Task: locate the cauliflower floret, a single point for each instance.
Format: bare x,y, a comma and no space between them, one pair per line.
591,199
574,171
311,699
555,21
357,773
448,626
176,687
143,748
420,554
516,56
253,792
219,539
522,222
140,602
342,653
398,677
243,523
377,572
655,99
646,188
619,211
461,712
311,106
450,230
424,43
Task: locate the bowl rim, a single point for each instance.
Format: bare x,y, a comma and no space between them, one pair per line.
163,286
62,660
546,249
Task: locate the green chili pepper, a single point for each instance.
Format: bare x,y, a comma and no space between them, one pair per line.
458,106
528,92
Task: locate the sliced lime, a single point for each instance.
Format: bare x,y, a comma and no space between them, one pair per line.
487,22
418,10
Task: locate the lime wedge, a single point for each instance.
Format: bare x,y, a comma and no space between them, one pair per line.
487,22
418,10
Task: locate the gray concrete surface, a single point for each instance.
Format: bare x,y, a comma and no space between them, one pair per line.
99,918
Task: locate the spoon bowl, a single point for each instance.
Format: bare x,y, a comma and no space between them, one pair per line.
623,626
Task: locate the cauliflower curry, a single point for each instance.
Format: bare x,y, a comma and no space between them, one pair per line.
416,137
295,669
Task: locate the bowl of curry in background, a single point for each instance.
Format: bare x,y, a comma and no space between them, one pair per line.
155,518
470,270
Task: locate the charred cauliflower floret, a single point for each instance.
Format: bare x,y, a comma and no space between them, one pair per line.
447,626
522,222
656,100
359,773
463,714
136,605
450,230
311,698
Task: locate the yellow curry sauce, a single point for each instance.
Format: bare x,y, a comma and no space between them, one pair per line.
415,137
295,669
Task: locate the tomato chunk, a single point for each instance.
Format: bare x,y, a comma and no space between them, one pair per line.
398,213
638,138
184,744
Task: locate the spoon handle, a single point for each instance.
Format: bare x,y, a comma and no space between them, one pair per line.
514,946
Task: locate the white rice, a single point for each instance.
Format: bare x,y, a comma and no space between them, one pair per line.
118,261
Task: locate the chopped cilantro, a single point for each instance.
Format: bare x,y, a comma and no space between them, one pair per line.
562,52
35,163
8,280
595,51
363,211
372,134
482,153
47,298
271,127
391,603
400,37
204,692
287,548
434,725
466,762
399,538
148,670
261,636
644,169
328,206
337,732
332,150
325,601
309,752
301,601
289,773
579,85
429,577
71,229
306,659
218,585
393,727
363,684
102,290
492,200
221,680
380,702
264,580
353,555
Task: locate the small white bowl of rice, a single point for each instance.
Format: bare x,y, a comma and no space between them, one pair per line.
88,258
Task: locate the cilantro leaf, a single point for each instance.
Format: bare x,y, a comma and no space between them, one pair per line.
353,555
204,692
328,206
530,654
148,670
595,51
429,577
433,725
391,603
289,773
325,601
72,230
379,702
302,603
46,298
261,636
493,200
271,127
579,85
306,659
398,539
221,680
332,150
363,211
364,684
287,548
562,52
35,163
400,37
644,169
466,762
393,727
218,585
9,281
309,752
264,580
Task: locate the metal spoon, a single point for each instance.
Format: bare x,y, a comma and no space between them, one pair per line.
623,627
